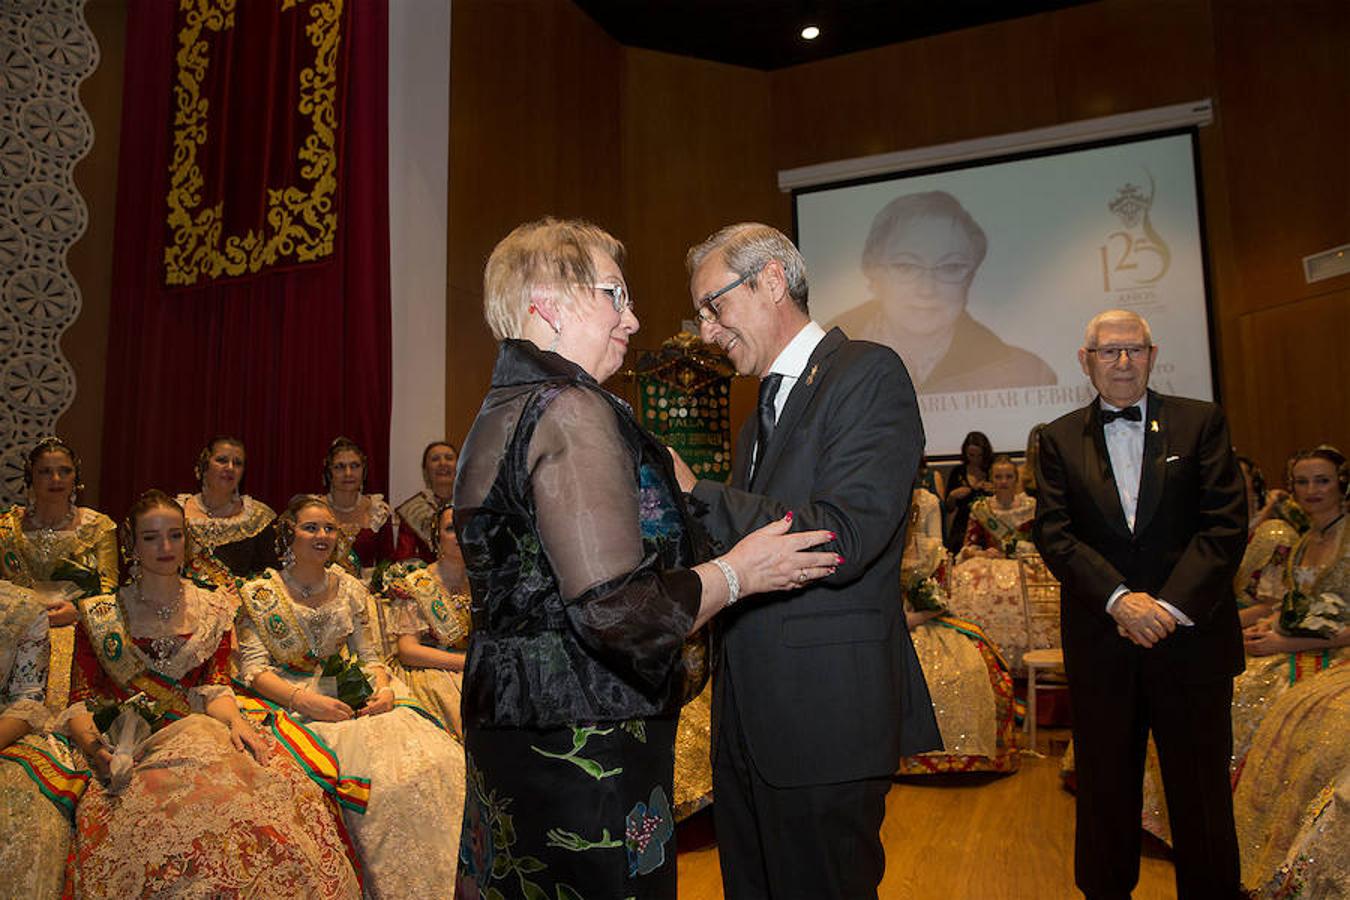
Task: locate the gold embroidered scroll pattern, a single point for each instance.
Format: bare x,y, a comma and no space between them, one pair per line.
300,222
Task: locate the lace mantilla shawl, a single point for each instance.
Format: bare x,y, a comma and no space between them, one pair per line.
24,654
209,533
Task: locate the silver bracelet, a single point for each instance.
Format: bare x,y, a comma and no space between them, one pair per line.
733,583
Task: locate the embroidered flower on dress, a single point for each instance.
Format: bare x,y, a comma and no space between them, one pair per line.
657,512
647,829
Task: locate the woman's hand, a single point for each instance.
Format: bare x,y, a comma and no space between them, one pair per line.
771,559
245,737
321,708
101,762
380,702
957,494
915,619
1264,641
62,612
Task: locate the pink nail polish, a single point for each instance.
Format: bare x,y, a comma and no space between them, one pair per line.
789,515
839,560
833,536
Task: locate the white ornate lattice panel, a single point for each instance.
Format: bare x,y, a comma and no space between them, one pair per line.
46,50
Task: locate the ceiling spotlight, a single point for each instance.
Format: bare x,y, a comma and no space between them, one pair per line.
810,33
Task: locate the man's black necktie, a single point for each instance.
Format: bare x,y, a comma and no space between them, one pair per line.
768,390
1129,414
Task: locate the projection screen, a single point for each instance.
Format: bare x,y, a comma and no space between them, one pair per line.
983,276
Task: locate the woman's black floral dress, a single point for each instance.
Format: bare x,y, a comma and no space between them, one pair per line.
578,551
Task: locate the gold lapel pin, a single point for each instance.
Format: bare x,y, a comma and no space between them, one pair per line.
1153,425
811,376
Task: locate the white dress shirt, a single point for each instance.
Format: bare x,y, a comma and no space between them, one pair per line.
791,362
1125,447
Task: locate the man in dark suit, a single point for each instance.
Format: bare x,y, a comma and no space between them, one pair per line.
816,692
1141,516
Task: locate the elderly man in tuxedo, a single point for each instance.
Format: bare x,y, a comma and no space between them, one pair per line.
1141,517
816,692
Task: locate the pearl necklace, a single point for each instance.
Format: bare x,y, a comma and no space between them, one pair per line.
332,501
163,613
306,590
59,525
215,512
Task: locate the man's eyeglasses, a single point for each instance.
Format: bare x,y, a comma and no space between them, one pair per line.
618,295
708,310
946,273
1134,352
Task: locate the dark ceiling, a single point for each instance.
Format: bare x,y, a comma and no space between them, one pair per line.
765,34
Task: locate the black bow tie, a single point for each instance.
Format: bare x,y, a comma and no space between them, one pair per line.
1129,414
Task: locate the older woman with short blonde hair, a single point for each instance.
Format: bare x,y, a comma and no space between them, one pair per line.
586,581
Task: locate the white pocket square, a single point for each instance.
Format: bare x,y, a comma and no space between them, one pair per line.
1172,459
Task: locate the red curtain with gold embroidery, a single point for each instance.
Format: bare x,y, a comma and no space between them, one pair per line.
250,287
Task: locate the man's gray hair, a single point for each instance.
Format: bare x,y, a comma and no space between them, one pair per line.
747,247
1114,317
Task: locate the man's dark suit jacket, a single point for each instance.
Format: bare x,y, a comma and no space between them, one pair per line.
1190,528
825,678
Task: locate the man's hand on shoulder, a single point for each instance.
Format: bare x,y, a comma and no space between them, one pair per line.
683,474
1140,618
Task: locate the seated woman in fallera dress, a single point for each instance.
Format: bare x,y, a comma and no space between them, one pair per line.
428,621
970,682
365,519
416,528
40,778
1291,705
231,532
1310,630
212,807
397,773
58,548
999,579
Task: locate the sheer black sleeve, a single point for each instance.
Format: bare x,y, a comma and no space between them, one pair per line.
620,604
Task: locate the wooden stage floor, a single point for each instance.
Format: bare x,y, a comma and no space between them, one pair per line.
977,836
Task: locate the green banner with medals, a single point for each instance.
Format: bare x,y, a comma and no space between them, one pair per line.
684,396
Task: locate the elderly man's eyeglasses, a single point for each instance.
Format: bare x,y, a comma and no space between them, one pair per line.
946,273
708,308
618,295
1134,352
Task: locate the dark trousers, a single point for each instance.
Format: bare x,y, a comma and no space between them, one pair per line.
1114,707
817,842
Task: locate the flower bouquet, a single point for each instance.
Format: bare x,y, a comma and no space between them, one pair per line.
1316,616
350,684
85,579
925,595
124,728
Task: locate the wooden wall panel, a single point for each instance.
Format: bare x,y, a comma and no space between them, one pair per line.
1122,55
1297,377
696,156
950,87
534,130
1284,107
85,344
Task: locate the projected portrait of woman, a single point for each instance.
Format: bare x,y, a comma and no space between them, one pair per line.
921,255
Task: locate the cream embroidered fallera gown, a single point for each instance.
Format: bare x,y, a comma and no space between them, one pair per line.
198,818
408,835
34,830
32,558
